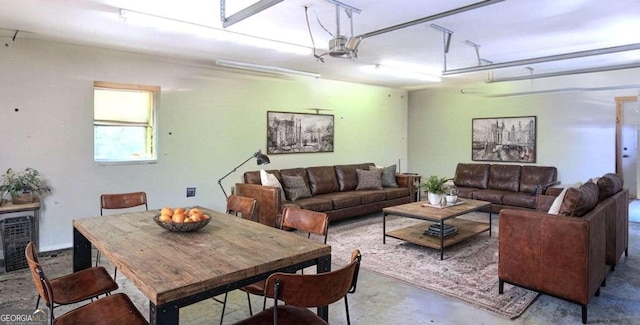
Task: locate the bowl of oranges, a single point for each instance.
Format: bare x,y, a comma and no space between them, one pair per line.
181,219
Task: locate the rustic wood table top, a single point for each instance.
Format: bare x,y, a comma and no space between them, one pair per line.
418,210
167,266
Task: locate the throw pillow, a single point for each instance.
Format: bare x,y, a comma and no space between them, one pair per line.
579,201
555,206
609,185
268,179
369,180
295,187
388,175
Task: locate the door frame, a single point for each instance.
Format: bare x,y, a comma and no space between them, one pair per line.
619,107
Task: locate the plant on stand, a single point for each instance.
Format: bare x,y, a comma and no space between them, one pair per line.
435,189
22,185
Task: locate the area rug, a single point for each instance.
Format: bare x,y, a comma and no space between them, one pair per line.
469,271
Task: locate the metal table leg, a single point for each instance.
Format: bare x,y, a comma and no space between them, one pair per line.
441,240
81,251
490,217
384,228
324,265
163,314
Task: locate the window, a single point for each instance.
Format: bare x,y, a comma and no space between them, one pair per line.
124,122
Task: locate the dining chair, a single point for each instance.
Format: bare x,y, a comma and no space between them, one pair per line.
246,207
113,309
72,288
300,292
310,222
121,201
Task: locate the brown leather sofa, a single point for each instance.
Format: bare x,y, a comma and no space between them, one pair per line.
505,186
617,226
333,191
560,255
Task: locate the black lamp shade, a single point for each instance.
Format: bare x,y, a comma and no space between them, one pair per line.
262,159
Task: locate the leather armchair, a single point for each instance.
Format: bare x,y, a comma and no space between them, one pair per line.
556,255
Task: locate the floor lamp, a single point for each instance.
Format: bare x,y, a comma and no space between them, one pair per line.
261,158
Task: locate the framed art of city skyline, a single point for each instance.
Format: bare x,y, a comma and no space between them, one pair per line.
505,139
299,133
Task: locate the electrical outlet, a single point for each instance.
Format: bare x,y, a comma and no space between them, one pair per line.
191,191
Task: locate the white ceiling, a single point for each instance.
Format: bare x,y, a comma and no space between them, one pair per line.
506,31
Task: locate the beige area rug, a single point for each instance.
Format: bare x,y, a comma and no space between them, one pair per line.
469,271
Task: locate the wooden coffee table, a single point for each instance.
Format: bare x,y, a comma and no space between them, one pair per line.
416,234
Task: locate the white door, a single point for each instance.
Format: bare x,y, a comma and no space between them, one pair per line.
629,147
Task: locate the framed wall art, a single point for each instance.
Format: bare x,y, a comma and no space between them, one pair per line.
299,133
507,139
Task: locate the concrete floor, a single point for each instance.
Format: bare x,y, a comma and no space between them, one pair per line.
383,300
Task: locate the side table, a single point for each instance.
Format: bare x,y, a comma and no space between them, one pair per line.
34,207
414,183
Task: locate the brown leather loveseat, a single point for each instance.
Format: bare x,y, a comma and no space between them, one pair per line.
563,255
333,191
503,185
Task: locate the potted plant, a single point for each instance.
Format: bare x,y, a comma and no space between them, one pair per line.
452,195
435,189
21,185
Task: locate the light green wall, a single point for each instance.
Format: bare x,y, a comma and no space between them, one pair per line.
217,119
575,129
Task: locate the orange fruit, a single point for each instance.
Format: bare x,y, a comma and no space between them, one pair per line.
167,211
196,217
178,218
195,211
187,220
179,210
205,217
165,218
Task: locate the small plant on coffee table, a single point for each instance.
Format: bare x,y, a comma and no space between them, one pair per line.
435,189
434,184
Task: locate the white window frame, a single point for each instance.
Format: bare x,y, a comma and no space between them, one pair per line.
151,142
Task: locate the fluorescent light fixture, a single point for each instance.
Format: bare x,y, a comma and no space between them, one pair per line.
263,68
401,73
181,26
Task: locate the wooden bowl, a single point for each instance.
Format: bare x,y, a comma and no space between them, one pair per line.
181,227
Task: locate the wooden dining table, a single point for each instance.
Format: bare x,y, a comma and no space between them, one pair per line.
177,269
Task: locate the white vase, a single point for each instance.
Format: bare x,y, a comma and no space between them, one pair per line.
434,199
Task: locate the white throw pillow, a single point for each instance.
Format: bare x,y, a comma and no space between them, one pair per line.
268,179
555,206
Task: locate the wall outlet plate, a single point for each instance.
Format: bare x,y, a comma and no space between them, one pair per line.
191,191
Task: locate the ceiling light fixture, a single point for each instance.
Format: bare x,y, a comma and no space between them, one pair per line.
263,68
175,25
